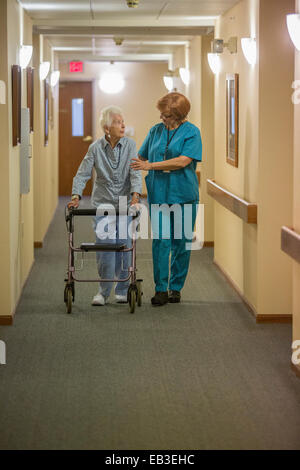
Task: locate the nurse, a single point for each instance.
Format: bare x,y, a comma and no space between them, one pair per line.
170,154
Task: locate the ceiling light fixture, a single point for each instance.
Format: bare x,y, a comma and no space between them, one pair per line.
214,62
249,49
25,55
44,70
293,24
133,3
111,82
54,78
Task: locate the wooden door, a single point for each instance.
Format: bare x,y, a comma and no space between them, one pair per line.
75,132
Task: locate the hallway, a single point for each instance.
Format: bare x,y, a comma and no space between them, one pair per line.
199,375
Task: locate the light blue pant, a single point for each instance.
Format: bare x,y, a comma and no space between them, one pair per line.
172,275
112,264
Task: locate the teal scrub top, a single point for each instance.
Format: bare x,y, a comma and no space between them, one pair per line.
179,186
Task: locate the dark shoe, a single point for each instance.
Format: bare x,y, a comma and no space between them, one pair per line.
174,297
160,298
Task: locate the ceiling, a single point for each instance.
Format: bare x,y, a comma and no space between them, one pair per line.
85,29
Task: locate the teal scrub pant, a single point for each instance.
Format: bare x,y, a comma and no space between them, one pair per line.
172,234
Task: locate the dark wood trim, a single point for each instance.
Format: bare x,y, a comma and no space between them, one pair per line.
295,369
198,174
46,112
229,160
209,244
290,243
245,210
16,104
274,318
30,94
38,244
6,320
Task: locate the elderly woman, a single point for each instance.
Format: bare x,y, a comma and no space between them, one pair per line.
170,154
110,156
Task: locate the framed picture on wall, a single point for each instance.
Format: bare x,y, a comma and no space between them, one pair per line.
232,119
30,100
16,104
46,111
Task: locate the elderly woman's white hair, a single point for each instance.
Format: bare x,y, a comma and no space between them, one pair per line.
106,115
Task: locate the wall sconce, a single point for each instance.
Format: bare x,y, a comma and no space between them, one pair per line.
184,75
249,50
54,77
44,70
217,45
169,79
25,54
293,24
214,62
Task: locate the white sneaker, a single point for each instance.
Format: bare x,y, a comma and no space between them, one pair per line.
121,299
99,300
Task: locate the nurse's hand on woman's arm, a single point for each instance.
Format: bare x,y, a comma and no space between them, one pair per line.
171,164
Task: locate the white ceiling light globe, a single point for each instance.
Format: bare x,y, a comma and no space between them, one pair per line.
184,75
44,70
249,49
25,56
293,24
111,82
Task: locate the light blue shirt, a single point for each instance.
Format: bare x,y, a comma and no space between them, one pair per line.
177,186
114,177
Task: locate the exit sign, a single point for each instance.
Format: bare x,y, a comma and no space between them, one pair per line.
75,67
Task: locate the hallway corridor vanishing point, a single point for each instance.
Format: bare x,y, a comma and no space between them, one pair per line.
200,375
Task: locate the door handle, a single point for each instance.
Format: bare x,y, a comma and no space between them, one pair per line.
87,138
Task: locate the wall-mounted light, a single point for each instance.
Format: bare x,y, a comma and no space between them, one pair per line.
132,3
54,77
217,45
214,62
44,70
112,81
184,75
293,24
169,80
249,49
25,54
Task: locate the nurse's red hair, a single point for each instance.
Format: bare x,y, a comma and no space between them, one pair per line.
174,104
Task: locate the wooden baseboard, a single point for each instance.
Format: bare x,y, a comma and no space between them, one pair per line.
209,244
295,369
274,318
38,244
259,318
6,320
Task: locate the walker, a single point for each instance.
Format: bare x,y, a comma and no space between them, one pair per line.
134,293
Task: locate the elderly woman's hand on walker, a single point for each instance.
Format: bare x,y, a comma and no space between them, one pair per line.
74,202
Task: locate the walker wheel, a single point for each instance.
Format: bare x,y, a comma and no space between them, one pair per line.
139,292
131,299
69,296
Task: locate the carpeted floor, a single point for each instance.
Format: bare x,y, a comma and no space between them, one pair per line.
198,375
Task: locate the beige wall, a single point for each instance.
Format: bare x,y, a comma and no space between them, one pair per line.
236,242
46,157
143,87
5,291
275,182
251,255
296,216
17,210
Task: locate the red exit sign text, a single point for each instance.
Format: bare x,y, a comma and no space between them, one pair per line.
75,67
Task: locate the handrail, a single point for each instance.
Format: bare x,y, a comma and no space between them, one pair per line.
245,210
290,242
